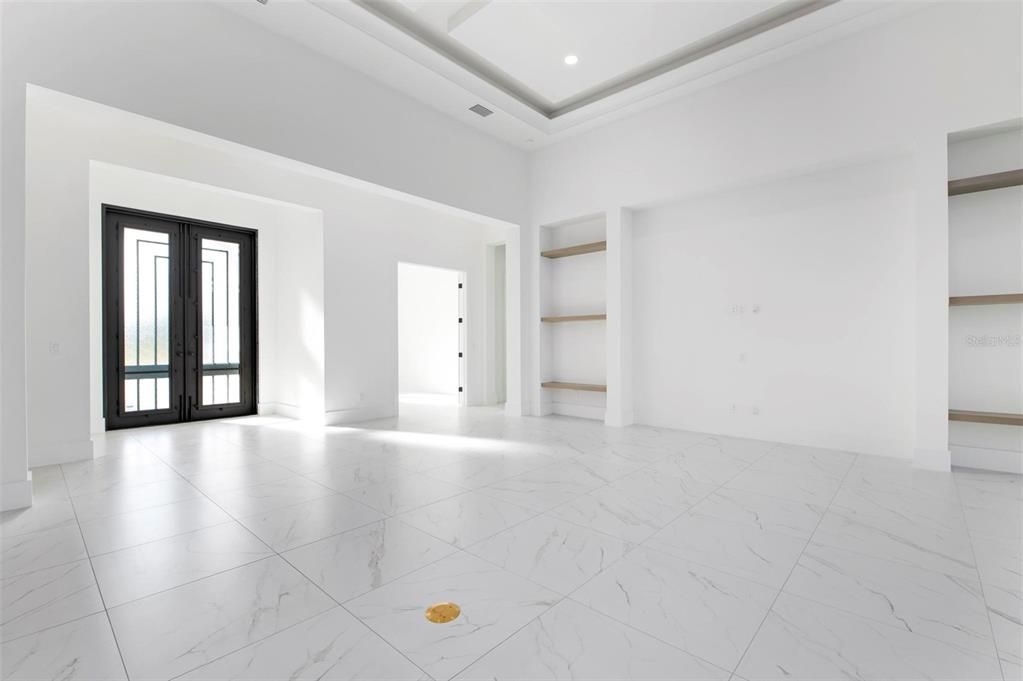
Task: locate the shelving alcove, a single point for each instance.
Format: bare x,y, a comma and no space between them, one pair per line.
985,217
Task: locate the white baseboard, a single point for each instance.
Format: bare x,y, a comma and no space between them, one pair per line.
627,419
342,417
932,459
290,411
61,452
581,410
1002,460
17,494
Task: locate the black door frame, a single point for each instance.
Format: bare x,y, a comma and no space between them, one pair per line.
184,369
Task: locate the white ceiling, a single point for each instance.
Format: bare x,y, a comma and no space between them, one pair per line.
529,40
509,54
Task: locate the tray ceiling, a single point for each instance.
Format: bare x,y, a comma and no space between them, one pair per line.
548,68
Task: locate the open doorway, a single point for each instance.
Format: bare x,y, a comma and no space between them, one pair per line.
431,335
498,328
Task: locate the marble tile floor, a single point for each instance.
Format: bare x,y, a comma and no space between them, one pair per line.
259,548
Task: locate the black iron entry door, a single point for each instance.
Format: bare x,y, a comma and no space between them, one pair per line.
179,319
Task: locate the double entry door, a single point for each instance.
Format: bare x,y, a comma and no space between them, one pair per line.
179,319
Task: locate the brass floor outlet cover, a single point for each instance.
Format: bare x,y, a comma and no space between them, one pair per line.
443,612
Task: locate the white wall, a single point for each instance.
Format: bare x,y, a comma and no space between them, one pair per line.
365,234
234,80
428,302
887,92
781,311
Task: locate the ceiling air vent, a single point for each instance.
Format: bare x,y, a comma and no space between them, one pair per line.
480,109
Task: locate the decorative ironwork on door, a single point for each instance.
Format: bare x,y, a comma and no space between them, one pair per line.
179,319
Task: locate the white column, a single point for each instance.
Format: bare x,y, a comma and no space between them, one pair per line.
516,341
539,342
523,255
619,317
931,447
15,481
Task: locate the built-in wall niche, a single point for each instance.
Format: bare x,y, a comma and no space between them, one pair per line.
573,317
985,218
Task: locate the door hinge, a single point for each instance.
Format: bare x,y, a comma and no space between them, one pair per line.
460,388
459,284
459,354
459,320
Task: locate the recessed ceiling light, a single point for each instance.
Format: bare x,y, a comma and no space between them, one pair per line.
571,60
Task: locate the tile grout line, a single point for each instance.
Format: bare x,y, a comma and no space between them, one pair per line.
781,589
313,583
557,602
684,512
358,620
99,591
278,555
924,568
260,540
649,468
564,597
690,509
233,519
980,580
693,506
560,598
866,618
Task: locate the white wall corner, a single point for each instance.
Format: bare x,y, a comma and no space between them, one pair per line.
619,317
545,405
17,494
619,420
516,408
61,452
932,459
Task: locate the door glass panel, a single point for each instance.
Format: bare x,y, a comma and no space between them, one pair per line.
146,320
221,347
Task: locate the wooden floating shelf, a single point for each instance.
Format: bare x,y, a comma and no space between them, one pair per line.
997,299
581,249
589,387
983,183
985,417
576,318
